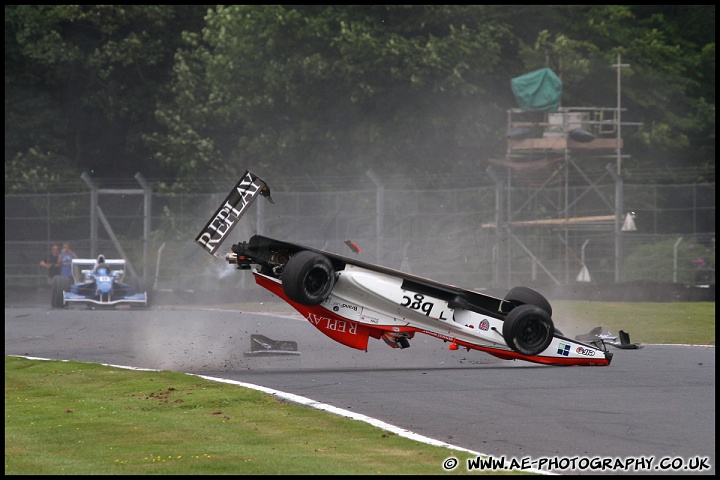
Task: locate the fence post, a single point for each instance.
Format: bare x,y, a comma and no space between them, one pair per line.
675,255
379,202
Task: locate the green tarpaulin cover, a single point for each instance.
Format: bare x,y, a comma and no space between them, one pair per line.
538,91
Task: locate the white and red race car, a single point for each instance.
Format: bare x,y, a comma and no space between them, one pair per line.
352,301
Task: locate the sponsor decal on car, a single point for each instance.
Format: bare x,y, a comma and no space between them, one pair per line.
333,324
585,351
484,325
438,335
418,302
347,306
234,206
563,349
367,318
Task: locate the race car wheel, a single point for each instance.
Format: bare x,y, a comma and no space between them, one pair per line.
528,329
528,296
59,284
308,278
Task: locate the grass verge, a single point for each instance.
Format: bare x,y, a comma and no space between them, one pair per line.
675,323
74,418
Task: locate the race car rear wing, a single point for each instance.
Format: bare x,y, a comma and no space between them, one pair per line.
235,205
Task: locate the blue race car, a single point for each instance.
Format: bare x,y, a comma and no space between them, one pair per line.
97,283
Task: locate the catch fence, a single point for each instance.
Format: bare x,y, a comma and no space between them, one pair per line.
439,233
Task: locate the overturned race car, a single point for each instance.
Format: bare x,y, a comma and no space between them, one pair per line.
96,283
351,301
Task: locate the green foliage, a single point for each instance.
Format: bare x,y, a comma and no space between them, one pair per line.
184,93
690,262
81,83
332,89
415,89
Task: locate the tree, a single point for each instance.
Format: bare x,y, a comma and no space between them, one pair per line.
336,89
81,84
183,93
424,89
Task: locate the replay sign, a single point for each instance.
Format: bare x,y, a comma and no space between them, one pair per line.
235,205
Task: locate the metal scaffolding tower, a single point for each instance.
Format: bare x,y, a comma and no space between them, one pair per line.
557,191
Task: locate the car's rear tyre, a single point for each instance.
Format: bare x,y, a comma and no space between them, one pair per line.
59,284
527,296
308,278
528,329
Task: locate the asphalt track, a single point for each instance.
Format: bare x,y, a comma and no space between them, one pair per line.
656,402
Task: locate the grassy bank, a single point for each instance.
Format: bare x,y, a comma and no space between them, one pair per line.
74,418
676,323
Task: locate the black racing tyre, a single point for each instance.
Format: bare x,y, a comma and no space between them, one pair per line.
527,296
528,329
59,284
308,278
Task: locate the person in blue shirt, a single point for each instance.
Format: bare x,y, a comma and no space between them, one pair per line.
66,257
